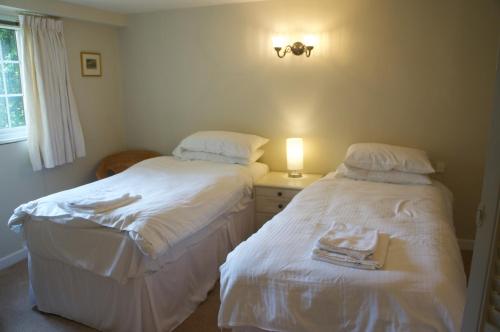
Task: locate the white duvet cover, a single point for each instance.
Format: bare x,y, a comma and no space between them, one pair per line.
178,198
271,282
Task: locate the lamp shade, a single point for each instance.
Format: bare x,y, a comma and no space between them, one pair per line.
279,41
311,40
295,154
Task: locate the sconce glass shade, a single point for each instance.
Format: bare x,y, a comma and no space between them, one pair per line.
295,156
311,40
279,41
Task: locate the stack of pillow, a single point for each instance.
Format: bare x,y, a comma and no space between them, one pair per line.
221,146
386,163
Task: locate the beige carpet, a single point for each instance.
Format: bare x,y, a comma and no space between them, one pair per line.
16,315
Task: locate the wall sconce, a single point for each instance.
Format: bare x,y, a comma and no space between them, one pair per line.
295,157
297,48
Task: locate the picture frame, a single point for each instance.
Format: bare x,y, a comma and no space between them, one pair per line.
91,64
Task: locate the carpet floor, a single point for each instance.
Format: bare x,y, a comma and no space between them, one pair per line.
16,315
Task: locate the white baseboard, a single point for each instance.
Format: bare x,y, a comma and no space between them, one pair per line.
13,258
466,244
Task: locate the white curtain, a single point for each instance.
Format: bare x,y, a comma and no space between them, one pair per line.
54,132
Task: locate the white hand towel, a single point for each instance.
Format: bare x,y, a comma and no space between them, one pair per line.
374,262
102,203
352,240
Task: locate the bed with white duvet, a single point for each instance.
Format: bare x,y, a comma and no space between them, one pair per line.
143,263
270,282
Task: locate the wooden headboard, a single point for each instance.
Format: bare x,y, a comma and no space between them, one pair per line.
120,161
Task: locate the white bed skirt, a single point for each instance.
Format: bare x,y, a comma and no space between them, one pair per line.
247,329
158,301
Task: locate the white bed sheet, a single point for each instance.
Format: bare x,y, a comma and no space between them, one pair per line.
270,281
178,199
112,253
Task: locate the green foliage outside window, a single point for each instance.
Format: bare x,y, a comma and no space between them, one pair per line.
11,101
16,110
4,120
12,78
9,44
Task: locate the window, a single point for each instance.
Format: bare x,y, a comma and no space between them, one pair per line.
12,118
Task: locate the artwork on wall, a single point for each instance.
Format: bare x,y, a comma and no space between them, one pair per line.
91,63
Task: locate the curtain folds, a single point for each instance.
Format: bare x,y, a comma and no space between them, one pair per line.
54,132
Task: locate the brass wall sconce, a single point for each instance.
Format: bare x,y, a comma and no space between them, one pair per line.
298,48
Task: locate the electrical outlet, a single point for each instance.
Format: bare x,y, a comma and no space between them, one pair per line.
440,166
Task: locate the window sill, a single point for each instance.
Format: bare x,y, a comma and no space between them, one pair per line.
12,140
13,135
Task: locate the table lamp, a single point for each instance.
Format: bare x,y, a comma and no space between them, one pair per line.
295,157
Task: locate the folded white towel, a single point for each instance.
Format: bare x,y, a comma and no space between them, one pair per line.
351,240
102,203
374,262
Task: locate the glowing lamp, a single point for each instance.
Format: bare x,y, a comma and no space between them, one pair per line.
295,157
311,40
297,48
279,41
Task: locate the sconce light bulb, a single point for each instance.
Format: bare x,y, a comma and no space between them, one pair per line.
311,41
279,42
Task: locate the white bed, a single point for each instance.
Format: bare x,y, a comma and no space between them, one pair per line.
270,282
126,277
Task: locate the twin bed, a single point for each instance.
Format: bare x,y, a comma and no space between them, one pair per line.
147,264
270,282
146,278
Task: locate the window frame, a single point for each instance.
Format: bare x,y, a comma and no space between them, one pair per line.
14,134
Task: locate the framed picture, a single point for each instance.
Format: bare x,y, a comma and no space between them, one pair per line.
91,63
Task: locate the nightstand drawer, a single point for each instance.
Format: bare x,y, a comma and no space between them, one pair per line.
271,204
262,218
276,192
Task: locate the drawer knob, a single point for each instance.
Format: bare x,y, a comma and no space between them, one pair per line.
280,193
280,206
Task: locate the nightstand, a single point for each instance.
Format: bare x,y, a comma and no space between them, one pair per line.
274,191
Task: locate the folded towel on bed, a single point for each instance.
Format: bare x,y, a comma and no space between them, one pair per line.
103,202
351,240
374,262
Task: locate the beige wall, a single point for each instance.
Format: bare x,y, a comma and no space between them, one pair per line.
99,101
414,73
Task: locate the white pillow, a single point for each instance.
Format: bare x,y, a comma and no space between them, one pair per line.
218,158
382,176
384,157
226,143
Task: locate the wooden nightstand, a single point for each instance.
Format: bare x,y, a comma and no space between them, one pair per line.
274,191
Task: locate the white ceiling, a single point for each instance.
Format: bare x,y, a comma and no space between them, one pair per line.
142,6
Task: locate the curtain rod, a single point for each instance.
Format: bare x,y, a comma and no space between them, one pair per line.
12,19
39,14
9,23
